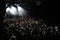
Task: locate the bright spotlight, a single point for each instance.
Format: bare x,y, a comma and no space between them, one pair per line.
16,11
12,10
21,11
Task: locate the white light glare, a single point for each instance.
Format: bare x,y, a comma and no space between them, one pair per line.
16,11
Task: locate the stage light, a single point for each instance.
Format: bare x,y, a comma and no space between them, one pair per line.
21,11
12,10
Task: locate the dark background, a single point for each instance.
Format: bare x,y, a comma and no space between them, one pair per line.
48,10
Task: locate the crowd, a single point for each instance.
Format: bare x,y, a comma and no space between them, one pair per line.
25,28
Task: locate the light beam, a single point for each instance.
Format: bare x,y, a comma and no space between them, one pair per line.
16,11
